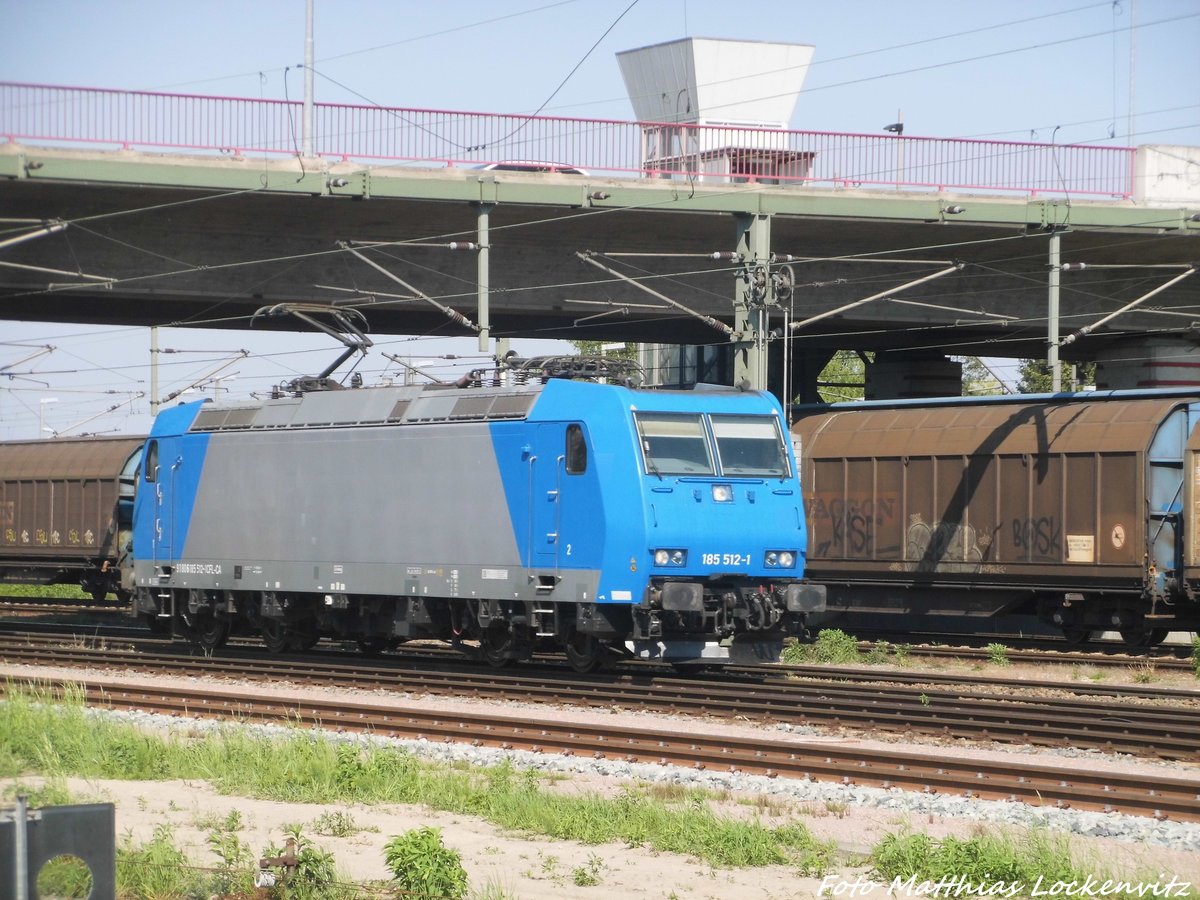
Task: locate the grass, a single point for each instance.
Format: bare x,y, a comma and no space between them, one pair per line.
47,591
61,738
57,737
988,858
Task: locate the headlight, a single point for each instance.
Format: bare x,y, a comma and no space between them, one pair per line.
670,557
722,493
780,559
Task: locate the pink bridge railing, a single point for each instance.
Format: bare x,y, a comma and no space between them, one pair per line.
434,138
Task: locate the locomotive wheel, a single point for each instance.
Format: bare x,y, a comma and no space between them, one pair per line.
211,632
373,646
156,625
1143,636
276,635
496,643
584,652
304,637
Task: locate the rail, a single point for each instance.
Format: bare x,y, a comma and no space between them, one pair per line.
710,153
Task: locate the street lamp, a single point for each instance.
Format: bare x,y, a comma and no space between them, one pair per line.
42,413
897,128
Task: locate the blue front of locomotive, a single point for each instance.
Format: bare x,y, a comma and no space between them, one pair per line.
688,505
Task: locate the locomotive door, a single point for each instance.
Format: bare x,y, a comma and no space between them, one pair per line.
555,504
158,480
545,496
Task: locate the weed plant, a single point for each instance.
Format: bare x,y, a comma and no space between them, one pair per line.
157,869
1196,656
832,646
997,654
421,864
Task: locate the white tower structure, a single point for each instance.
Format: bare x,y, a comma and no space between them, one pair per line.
717,109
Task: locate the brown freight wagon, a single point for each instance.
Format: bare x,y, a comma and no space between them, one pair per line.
1071,508
65,511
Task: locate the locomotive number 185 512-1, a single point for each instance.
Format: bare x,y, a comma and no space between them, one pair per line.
725,559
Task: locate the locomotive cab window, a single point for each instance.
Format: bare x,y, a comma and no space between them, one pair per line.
750,445
674,445
151,468
576,450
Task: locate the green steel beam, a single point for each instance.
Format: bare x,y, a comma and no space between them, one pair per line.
285,176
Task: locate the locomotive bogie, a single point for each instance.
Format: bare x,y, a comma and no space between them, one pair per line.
1071,507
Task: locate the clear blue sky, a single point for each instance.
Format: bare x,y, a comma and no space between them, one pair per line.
1015,70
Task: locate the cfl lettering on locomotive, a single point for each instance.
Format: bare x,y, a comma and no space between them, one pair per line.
595,518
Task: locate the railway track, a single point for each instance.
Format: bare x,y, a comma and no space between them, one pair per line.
1035,783
1166,659
1157,722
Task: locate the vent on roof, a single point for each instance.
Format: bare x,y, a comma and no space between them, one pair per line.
224,419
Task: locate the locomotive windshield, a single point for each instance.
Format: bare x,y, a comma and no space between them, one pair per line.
674,444
681,445
750,445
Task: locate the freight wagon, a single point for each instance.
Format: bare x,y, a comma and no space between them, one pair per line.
1083,509
66,510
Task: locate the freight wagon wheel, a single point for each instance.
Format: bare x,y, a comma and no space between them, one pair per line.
1143,636
1077,634
584,652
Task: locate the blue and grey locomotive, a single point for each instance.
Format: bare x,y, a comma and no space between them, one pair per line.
596,518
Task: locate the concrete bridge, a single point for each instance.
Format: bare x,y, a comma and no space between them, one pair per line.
135,208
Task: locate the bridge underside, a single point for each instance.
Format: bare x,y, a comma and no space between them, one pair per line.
204,243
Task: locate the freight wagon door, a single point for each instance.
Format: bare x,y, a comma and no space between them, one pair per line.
1191,504
1165,493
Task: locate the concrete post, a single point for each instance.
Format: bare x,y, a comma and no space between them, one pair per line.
1052,314
483,274
754,291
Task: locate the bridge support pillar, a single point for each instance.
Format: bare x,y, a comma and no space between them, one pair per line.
1148,362
904,376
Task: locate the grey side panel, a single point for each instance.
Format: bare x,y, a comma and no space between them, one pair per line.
419,497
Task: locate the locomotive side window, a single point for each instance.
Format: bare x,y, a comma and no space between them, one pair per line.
576,450
151,467
674,445
750,445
